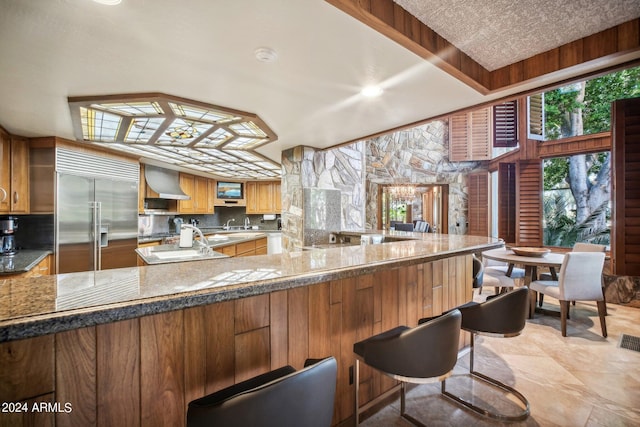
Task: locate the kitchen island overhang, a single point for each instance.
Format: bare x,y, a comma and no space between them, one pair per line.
130,346
51,304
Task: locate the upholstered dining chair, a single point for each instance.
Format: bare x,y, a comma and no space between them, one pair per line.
578,247
279,398
580,279
496,275
424,354
404,226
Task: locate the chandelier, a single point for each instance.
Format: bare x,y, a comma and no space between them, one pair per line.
405,192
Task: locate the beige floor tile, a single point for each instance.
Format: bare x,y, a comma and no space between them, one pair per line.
579,380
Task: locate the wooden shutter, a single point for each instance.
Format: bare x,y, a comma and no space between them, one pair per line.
625,244
535,117
505,124
507,202
458,136
478,218
470,136
529,203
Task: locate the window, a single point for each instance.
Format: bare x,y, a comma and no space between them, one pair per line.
577,199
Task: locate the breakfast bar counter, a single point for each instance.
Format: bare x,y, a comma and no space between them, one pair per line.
140,343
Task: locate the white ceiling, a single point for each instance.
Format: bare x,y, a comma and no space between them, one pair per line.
204,50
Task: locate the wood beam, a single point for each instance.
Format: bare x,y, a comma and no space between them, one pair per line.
393,21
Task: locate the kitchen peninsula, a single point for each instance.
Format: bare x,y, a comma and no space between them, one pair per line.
133,346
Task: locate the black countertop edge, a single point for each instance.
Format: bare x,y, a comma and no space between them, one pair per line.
48,324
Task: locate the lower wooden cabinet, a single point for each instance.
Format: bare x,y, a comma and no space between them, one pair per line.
145,371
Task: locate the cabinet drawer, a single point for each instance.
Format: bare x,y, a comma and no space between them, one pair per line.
261,243
244,247
228,250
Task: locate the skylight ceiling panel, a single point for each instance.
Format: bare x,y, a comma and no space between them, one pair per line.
142,129
98,125
208,115
144,108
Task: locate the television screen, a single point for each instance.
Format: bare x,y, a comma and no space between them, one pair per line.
229,190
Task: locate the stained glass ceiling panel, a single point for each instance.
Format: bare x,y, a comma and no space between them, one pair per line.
176,131
132,108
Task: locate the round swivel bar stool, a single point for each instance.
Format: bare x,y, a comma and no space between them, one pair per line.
502,316
281,398
424,354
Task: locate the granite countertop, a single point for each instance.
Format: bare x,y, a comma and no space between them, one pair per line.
22,262
50,304
172,252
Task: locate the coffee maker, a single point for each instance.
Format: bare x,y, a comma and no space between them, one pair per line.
8,225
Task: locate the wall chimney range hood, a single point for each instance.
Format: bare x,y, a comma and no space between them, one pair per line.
165,182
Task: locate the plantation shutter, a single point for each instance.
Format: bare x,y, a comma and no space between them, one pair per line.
507,202
470,136
535,117
529,203
625,157
505,124
478,218
458,136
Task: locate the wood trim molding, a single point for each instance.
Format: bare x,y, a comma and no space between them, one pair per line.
393,21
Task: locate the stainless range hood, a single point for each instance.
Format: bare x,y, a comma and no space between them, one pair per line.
165,182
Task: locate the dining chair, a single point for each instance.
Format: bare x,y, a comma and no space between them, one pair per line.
404,226
578,247
497,274
580,279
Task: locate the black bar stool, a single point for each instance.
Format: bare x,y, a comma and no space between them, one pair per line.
280,398
501,316
424,354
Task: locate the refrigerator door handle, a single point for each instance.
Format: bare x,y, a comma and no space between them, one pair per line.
99,235
97,219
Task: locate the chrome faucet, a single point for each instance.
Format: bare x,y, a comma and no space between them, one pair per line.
227,227
247,223
204,248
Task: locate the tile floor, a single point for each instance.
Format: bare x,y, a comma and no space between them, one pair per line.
579,380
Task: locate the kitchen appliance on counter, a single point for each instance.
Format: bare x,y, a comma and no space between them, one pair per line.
96,212
8,226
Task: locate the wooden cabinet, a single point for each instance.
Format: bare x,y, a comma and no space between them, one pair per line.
263,197
198,188
43,268
14,174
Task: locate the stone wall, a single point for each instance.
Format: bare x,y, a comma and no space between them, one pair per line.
305,168
419,155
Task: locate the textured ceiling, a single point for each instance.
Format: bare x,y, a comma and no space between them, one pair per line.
501,32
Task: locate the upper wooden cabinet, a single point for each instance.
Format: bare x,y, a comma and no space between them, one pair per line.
263,197
14,174
198,188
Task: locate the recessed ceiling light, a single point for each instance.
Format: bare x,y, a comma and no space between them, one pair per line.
266,54
108,2
371,91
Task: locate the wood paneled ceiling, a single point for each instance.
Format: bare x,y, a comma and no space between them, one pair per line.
495,45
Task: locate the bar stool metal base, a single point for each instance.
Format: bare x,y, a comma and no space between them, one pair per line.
401,386
494,383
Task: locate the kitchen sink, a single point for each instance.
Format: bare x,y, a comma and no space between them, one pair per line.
182,253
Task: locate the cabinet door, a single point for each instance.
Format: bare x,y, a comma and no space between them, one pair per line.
5,172
187,183
200,194
277,196
211,189
265,197
252,197
19,175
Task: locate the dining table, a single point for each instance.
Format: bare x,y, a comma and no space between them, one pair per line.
531,263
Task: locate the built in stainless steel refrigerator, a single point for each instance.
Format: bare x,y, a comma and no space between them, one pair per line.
96,212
